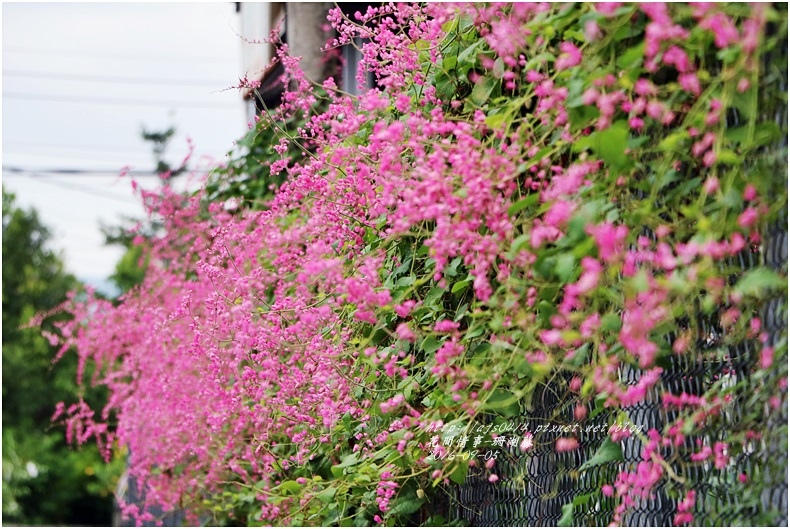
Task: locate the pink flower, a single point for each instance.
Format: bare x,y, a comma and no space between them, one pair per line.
591,31
366,316
683,515
493,478
663,230
607,8
405,333
534,76
445,326
702,455
559,213
724,31
721,458
766,357
747,218
590,325
644,87
636,123
711,185
690,83
607,491
751,34
550,337
655,109
677,57
566,444
570,56
750,193
609,239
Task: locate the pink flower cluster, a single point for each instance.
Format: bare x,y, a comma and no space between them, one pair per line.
251,337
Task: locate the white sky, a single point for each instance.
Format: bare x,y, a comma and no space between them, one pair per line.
73,77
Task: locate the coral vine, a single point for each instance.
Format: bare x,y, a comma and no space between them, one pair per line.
511,198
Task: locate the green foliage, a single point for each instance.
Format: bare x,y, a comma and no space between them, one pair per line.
159,140
247,177
44,481
130,269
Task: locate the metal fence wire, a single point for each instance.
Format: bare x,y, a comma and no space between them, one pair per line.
534,486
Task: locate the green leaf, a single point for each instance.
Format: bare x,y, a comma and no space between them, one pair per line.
474,332
672,141
580,356
581,500
290,486
482,90
347,461
433,296
406,281
611,145
430,344
765,133
566,264
460,285
504,402
727,157
451,270
461,311
459,473
611,322
639,282
567,516
546,310
499,68
445,85
522,204
468,56
582,117
632,57
608,451
756,282
326,495
406,506
495,121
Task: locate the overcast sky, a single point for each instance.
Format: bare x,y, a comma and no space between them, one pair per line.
79,82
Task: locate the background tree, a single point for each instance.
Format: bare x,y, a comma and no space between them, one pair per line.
44,481
130,268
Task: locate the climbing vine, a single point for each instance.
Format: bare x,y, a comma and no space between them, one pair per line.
532,195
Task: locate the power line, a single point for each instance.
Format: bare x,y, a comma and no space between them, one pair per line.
76,187
74,172
113,55
70,156
90,148
117,101
112,79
